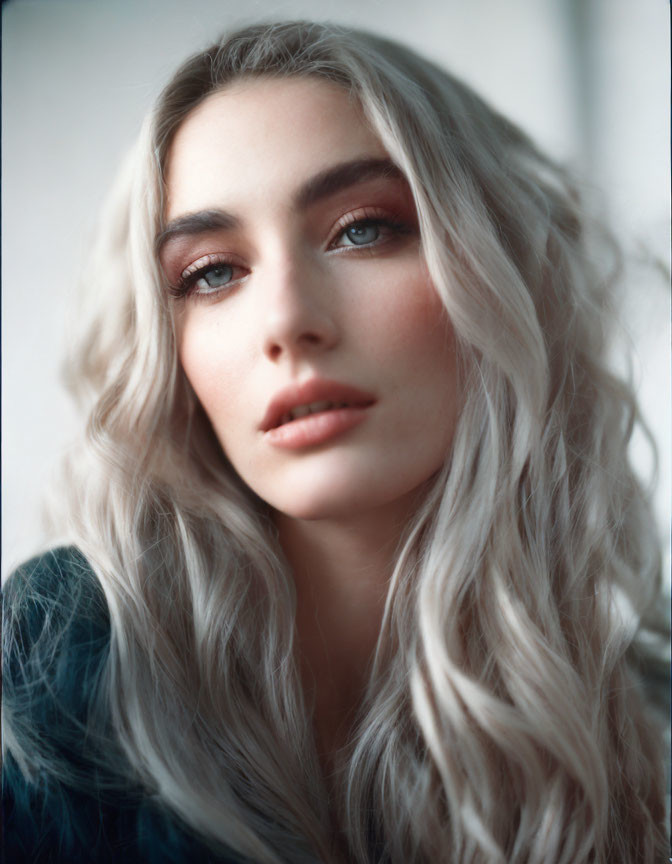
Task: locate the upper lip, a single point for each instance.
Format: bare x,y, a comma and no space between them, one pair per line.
315,390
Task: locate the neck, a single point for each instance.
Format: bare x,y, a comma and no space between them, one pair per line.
341,569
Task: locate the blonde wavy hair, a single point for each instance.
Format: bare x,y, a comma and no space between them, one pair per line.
503,721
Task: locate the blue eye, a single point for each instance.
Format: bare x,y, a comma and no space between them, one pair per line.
361,233
208,277
371,231
214,278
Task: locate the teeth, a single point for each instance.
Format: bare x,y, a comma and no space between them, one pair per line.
312,408
316,407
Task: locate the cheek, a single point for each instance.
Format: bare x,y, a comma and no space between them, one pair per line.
212,363
415,341
411,324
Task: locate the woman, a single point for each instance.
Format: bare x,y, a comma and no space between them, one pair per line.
353,512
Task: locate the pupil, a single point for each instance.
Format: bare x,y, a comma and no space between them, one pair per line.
361,234
218,276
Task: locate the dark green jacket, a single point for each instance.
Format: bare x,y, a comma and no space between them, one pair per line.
56,638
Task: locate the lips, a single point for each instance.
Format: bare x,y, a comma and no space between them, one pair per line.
313,398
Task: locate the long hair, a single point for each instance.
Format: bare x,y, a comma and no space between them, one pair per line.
502,721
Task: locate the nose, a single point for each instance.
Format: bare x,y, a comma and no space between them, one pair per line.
298,318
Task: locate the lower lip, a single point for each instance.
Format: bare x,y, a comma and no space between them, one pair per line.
315,429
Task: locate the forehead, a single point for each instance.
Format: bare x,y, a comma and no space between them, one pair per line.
261,138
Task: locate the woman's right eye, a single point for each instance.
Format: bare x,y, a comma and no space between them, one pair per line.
212,279
207,277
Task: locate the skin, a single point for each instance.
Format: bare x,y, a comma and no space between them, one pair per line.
303,303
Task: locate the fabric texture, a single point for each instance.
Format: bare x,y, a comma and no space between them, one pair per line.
56,636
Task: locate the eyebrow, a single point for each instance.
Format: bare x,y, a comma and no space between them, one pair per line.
339,177
317,188
201,222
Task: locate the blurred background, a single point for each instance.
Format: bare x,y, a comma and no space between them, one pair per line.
588,79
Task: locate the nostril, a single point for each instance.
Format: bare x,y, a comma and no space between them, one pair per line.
294,328
310,338
307,339
274,351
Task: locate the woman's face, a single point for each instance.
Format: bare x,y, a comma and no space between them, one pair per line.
293,242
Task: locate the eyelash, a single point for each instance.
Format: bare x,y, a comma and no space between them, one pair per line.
364,218
190,277
185,286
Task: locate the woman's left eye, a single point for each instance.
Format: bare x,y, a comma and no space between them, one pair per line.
365,232
360,234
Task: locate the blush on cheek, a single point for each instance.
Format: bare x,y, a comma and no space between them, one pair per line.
208,376
413,317
427,311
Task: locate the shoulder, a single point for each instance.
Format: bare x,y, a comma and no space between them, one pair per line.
54,590
55,641
55,630
68,792
54,594
51,583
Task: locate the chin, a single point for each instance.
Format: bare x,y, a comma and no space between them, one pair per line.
338,501
328,497
313,507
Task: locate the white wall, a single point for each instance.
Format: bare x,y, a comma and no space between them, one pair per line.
628,154
587,78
